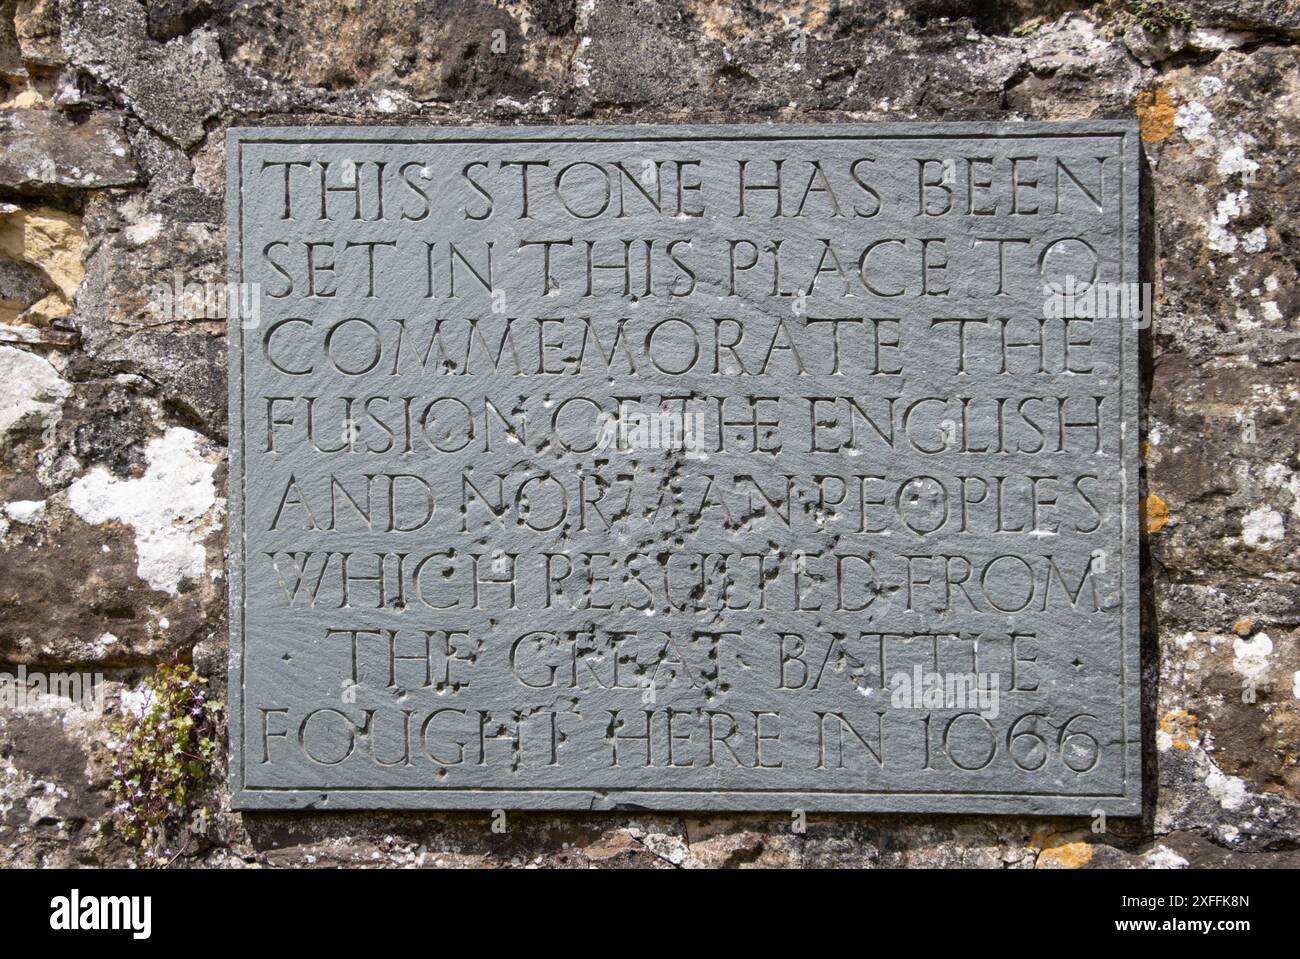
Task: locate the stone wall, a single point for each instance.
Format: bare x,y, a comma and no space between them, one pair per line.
113,465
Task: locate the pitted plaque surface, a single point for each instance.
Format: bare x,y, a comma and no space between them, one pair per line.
691,467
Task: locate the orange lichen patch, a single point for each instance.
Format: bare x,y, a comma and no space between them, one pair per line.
1155,513
611,846
1145,448
1180,727
1155,112
1073,855
1243,627
1047,837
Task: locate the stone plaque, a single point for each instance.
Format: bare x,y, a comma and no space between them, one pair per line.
721,468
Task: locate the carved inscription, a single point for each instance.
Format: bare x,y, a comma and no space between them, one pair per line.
769,468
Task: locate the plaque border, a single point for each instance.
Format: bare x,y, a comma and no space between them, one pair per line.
1128,802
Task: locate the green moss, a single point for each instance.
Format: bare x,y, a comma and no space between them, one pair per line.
162,755
1028,27
1159,16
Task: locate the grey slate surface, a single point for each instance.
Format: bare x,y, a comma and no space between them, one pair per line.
859,495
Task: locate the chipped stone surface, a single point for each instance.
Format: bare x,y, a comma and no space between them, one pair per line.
32,389
36,26
1269,16
41,151
172,87
1223,164
46,238
21,285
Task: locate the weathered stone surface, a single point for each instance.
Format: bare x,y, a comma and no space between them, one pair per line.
1269,16
1220,96
151,245
53,802
163,507
174,18
440,50
107,615
36,24
133,574
21,285
47,239
172,87
41,151
11,58
32,390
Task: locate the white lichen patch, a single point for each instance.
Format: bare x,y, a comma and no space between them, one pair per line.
1218,40
166,507
144,230
30,388
136,702
1250,655
1229,791
43,801
1277,476
1162,857
390,101
1216,231
1234,160
1262,527
26,511
1255,241
1194,120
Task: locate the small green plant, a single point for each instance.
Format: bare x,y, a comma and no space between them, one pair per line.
165,747
1159,16
1028,27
